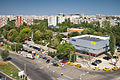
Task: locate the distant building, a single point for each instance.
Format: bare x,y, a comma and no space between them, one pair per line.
20,20
52,20
74,30
3,20
90,44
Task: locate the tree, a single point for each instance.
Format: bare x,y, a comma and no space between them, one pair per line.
54,43
73,34
38,36
4,54
106,24
98,33
86,31
48,34
59,37
64,50
17,39
12,34
43,25
112,44
5,34
16,47
25,33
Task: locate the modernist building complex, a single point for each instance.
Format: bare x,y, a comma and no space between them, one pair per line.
91,44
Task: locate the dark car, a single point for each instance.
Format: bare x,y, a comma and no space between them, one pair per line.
30,46
107,58
116,57
94,64
29,51
52,56
56,59
48,61
98,61
53,61
45,58
81,57
36,48
55,64
24,50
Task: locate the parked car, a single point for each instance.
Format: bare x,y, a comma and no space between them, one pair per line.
118,50
78,65
116,57
81,57
96,68
106,69
115,68
70,63
24,50
56,59
94,64
48,61
63,61
45,58
55,64
53,61
106,57
29,51
61,65
24,43
52,56
29,56
98,61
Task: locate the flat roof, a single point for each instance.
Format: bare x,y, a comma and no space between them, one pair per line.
91,38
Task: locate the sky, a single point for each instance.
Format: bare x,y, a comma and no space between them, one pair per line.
52,7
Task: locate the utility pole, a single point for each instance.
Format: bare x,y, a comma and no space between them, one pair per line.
32,36
15,47
70,57
25,71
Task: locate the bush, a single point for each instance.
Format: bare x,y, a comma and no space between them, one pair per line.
4,54
8,68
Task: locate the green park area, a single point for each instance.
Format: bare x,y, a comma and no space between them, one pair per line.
9,69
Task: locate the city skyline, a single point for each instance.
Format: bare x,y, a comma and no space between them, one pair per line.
47,7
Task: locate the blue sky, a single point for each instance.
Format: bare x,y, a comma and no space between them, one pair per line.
49,7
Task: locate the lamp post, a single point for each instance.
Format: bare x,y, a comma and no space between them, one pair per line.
15,46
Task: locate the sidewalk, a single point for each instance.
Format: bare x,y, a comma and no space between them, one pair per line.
41,46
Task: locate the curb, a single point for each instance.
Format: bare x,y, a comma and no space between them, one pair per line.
7,75
28,78
14,64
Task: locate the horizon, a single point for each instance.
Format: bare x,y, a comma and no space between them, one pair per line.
54,7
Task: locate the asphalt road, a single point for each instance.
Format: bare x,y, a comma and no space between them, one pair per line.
33,71
4,76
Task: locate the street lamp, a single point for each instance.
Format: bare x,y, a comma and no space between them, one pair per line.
15,46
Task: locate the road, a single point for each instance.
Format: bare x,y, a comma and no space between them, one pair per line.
33,71
4,76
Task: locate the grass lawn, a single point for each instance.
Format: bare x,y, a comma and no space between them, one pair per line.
9,69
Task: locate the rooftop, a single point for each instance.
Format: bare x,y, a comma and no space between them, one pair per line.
90,38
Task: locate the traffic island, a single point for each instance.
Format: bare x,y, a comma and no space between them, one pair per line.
10,70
